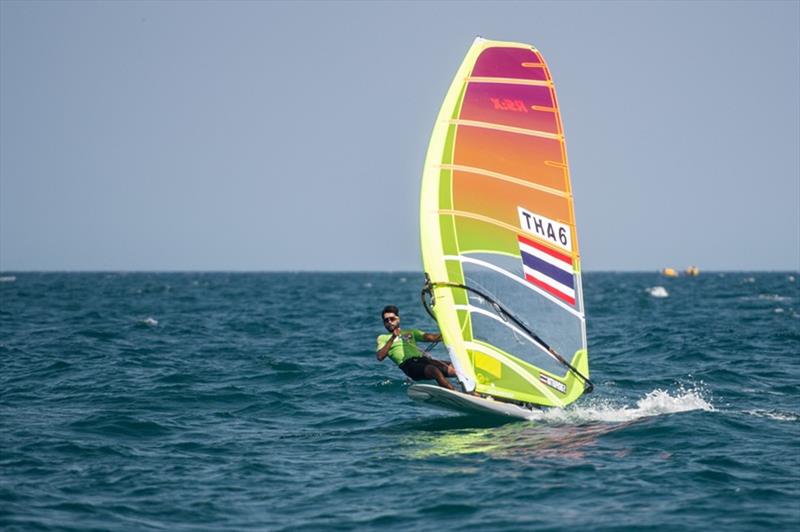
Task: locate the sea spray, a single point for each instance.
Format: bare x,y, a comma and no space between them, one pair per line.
654,403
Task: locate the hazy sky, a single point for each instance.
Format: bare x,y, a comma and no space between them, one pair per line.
291,136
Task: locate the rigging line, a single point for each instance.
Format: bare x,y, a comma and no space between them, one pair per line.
429,286
430,347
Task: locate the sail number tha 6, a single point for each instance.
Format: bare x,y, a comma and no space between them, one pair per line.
545,228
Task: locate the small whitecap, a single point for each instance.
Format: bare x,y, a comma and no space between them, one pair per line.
773,414
658,291
773,297
403,279
367,285
778,311
7,279
152,322
749,280
791,278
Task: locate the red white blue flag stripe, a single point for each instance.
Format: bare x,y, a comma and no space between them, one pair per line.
548,269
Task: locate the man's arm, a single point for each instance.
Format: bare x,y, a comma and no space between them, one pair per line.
432,337
383,352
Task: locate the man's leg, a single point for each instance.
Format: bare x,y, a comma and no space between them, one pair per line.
448,369
445,367
433,372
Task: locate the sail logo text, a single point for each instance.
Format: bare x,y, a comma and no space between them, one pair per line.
560,386
507,104
545,228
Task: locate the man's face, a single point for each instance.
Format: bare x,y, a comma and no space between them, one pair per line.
391,321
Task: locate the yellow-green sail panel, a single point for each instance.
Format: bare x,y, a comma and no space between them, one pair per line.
497,216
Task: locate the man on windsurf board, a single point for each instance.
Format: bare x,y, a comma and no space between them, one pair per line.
401,347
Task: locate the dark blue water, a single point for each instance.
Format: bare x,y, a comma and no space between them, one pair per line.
254,401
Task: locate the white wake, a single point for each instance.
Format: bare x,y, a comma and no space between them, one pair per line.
654,403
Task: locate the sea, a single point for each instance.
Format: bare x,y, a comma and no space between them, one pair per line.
254,401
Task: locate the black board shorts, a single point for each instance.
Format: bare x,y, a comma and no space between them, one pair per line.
415,367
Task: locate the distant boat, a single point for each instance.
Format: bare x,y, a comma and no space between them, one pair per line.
669,272
693,271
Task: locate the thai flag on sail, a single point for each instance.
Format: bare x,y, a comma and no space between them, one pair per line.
548,269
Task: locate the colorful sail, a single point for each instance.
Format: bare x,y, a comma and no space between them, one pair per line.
498,236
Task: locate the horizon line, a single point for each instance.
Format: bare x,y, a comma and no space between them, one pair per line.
297,271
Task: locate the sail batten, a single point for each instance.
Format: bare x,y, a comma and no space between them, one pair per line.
498,236
510,179
526,375
509,81
516,279
507,129
498,319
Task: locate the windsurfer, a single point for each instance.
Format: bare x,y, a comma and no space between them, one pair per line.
401,347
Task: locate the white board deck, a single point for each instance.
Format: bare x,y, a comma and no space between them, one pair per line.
465,403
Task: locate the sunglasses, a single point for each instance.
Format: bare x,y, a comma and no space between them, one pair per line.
391,318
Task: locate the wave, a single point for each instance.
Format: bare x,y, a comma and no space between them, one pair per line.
766,297
773,297
774,414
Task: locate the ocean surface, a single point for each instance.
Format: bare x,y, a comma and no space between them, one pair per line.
234,401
